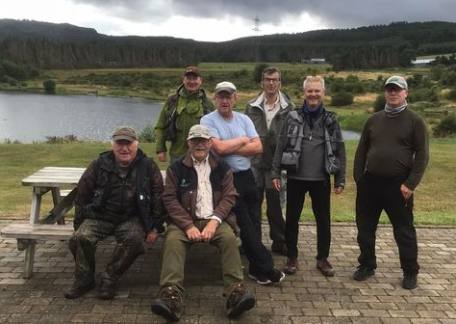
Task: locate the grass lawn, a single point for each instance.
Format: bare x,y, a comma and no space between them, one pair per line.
434,203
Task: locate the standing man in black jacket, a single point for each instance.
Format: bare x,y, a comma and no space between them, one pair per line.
312,148
268,111
119,194
392,155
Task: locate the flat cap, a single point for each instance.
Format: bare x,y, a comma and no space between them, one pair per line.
124,133
397,80
199,131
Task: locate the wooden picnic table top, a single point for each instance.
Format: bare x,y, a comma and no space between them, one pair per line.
54,177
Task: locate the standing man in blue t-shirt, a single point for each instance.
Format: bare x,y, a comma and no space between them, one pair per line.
236,141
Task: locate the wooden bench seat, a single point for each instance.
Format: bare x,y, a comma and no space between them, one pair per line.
28,234
37,231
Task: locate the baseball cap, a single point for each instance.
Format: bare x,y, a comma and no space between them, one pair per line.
397,80
199,131
124,133
192,70
225,86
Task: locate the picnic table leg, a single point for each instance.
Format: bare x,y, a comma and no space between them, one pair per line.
30,244
29,259
56,199
36,206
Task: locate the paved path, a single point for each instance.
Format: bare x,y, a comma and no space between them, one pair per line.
307,297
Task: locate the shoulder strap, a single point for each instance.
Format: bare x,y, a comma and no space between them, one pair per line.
172,105
297,147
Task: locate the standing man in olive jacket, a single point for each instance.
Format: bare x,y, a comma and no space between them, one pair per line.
119,194
181,111
312,148
392,154
199,196
268,111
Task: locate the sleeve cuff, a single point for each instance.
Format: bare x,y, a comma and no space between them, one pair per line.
218,219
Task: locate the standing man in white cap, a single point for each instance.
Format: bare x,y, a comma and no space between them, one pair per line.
392,155
236,140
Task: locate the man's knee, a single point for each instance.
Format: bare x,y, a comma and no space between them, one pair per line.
227,238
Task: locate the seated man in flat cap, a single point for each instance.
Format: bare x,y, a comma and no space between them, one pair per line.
199,194
119,194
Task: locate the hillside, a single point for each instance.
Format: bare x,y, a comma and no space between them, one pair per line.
47,45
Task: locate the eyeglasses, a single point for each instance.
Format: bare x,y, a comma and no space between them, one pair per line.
274,80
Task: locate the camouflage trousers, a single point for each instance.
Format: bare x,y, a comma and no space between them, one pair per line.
129,236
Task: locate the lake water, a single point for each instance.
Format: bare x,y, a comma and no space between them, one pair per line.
32,117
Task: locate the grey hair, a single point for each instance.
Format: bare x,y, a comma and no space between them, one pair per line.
313,78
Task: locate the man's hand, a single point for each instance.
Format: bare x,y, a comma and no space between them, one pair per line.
338,190
406,192
193,234
244,140
161,156
209,230
276,184
151,237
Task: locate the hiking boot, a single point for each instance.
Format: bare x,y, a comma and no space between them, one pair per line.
168,304
409,281
279,248
78,289
107,288
325,268
291,267
362,273
239,301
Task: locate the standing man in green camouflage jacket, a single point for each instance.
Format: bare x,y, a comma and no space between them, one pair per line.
181,111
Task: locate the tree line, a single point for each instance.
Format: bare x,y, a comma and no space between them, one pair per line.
47,45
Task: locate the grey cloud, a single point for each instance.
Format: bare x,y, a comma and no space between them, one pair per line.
134,10
333,13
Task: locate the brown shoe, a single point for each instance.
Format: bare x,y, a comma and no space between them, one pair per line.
325,268
291,267
79,288
168,304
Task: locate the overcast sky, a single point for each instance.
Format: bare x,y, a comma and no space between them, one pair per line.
219,20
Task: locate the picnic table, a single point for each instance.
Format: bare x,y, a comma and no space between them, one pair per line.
57,181
45,180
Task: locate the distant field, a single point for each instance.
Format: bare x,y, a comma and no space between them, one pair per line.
158,83
435,203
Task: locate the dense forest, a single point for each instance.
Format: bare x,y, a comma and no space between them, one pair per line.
46,45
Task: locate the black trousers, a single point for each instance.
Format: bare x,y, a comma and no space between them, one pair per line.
319,192
249,221
375,194
273,206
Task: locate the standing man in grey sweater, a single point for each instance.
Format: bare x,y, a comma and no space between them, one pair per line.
311,147
392,154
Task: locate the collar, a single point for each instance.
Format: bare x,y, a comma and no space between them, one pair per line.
259,101
394,111
196,162
188,160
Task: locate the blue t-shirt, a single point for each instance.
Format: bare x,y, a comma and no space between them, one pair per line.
239,125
